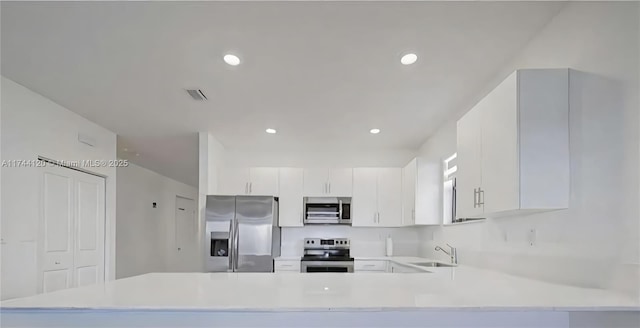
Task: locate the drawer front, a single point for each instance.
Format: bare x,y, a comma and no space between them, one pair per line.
281,266
365,265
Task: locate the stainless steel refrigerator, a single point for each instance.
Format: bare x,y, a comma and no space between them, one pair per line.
242,233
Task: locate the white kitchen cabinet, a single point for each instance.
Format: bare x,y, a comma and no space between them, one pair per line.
409,186
513,147
399,268
377,197
341,182
364,203
233,181
291,194
422,192
321,182
469,174
286,266
315,182
370,266
261,181
390,197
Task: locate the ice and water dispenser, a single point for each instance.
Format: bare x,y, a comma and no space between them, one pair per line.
219,244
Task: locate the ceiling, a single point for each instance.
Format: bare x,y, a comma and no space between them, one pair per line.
321,73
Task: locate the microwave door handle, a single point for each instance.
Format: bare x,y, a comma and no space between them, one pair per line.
339,210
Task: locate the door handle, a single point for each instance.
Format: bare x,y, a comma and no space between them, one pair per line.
475,197
480,197
250,187
329,187
246,188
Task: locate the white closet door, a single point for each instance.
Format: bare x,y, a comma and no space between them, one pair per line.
71,233
186,225
56,230
89,227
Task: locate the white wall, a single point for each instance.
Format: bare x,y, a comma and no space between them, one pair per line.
595,242
211,156
34,126
145,236
365,242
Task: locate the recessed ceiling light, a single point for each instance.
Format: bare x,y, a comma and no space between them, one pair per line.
232,60
125,149
408,59
271,131
374,131
137,154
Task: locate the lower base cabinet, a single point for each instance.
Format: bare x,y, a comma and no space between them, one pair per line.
287,266
382,266
399,268
370,266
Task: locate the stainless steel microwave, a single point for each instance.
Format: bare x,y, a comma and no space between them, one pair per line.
327,210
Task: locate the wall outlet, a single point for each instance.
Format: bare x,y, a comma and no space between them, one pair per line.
531,237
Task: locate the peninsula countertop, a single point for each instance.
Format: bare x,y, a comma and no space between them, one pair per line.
458,288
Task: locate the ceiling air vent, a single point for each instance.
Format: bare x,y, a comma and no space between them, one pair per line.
196,94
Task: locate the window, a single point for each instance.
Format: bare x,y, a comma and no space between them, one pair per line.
450,168
449,189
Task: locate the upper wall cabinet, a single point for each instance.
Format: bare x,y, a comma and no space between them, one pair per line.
421,192
262,181
513,147
328,182
377,197
291,191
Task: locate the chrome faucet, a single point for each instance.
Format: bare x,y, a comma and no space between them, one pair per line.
453,252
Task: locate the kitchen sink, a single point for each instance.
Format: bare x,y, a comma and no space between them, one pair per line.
434,264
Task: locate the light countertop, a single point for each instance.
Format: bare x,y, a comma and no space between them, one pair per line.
460,288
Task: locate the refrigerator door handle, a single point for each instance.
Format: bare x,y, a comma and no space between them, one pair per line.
236,245
230,244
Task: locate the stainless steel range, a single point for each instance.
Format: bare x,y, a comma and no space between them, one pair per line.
326,255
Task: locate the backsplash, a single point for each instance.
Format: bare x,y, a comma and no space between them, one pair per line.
364,241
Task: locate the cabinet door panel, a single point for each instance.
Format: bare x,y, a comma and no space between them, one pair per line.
263,181
365,197
469,173
315,182
500,148
341,182
234,181
390,197
291,194
409,179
